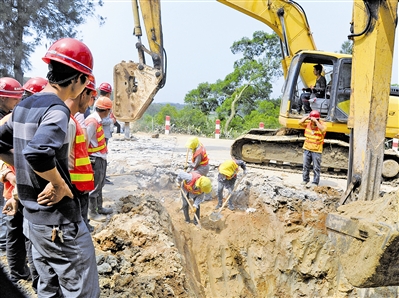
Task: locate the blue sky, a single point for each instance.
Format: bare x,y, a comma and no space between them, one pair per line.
197,38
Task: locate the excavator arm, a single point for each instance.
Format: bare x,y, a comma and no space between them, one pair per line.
368,245
287,19
136,84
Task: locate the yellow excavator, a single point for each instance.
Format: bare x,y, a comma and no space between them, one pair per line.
358,104
288,20
136,84
365,231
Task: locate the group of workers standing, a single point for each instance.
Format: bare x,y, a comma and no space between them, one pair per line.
54,161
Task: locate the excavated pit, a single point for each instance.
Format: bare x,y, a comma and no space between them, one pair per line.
275,244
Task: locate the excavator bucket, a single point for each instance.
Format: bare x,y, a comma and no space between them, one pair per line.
367,241
135,86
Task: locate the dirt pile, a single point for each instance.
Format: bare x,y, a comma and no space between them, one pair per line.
275,244
136,253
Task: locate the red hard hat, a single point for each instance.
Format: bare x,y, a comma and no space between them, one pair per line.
314,114
34,85
10,87
92,85
105,87
103,103
73,53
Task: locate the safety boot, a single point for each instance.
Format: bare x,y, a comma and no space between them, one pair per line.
101,209
93,213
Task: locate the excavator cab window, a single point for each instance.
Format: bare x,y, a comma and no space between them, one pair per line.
304,77
343,91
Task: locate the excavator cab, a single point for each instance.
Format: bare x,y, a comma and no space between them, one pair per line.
333,103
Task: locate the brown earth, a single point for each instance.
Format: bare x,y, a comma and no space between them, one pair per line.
274,244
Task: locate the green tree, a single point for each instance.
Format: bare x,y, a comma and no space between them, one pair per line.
167,110
250,81
347,47
193,121
266,113
25,24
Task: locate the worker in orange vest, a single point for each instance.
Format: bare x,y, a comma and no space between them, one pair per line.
80,169
199,160
97,148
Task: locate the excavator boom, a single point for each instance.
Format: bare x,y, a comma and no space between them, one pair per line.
286,18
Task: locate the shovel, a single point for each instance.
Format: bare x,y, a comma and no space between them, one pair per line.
191,207
216,216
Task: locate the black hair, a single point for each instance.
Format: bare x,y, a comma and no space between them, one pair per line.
103,93
318,67
63,75
101,110
87,90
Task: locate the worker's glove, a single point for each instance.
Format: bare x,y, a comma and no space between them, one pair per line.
245,172
193,210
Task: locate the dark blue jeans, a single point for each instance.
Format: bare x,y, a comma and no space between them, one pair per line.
19,250
308,158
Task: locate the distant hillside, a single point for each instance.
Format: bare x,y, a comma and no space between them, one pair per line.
154,108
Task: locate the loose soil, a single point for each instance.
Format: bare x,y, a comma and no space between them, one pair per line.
274,244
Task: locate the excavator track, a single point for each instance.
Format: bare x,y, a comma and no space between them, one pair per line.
282,150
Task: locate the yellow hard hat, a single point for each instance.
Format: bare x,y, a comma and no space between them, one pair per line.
204,184
192,143
228,168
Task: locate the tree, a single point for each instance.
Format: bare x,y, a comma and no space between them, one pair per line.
257,68
166,110
25,24
347,47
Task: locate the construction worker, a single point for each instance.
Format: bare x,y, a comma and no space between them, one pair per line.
34,85
313,147
227,177
80,168
97,148
62,248
106,90
199,160
12,238
18,247
10,94
194,187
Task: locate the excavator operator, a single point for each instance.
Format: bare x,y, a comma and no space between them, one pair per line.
318,90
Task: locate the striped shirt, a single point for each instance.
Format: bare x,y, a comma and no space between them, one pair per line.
38,133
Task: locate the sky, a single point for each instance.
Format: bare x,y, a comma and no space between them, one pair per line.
197,39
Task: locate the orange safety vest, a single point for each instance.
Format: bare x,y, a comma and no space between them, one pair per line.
204,157
82,173
102,145
314,139
190,187
8,187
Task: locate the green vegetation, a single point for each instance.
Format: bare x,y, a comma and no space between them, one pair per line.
241,100
25,24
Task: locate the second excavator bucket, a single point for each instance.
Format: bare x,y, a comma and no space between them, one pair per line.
366,236
135,86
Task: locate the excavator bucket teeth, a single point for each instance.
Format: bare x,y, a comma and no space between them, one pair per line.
368,250
135,87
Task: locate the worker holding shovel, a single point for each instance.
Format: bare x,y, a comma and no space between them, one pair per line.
227,177
194,186
199,161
